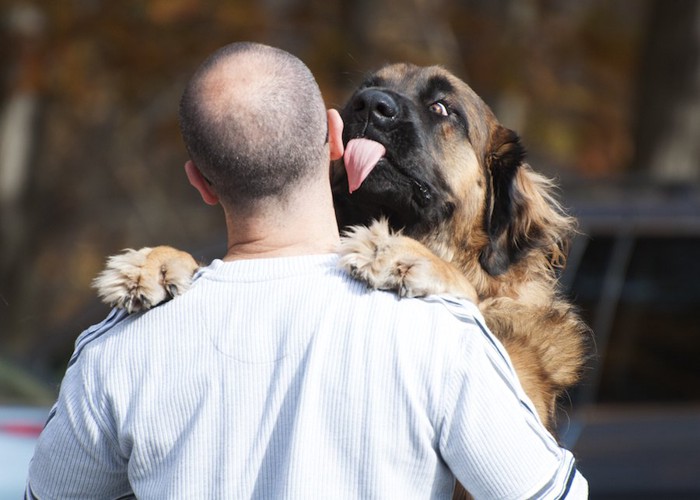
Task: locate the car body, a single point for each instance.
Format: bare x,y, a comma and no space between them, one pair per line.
25,401
635,273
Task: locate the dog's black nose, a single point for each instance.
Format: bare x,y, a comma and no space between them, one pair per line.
376,106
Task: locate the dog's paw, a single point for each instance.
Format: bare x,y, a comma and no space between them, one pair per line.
137,280
390,261
365,254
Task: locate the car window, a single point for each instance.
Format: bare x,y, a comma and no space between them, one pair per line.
641,295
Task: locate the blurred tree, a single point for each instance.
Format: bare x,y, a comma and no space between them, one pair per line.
559,73
25,31
668,101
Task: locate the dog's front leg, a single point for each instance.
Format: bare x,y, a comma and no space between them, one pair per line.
390,261
137,280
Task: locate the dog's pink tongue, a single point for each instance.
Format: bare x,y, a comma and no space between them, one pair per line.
361,155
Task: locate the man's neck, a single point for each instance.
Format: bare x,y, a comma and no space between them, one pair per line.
302,228
281,245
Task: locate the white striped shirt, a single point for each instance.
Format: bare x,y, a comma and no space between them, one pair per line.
285,378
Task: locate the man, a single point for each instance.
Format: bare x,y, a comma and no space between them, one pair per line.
277,375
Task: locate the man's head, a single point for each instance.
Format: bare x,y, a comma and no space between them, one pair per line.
254,123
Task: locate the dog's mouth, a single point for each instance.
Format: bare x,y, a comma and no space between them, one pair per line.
360,157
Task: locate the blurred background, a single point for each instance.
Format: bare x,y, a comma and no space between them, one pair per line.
604,93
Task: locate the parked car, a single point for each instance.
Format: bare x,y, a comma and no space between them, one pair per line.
24,406
635,273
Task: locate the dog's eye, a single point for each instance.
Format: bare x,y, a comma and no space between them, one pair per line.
439,108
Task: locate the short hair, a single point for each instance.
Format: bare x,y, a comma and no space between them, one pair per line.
253,120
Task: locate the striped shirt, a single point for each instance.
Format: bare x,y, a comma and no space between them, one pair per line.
285,378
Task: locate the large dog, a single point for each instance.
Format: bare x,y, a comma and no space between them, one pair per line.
451,177
441,201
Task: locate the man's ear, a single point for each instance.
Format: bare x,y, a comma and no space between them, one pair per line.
201,184
335,134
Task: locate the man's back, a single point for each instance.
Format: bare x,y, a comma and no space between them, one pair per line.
319,389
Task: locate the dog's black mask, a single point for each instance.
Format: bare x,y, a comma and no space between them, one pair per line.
423,118
405,186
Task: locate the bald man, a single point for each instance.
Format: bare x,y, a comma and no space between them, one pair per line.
277,375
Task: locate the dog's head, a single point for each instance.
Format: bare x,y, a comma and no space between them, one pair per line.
448,166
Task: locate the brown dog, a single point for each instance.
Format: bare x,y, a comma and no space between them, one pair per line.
454,179
459,212
426,155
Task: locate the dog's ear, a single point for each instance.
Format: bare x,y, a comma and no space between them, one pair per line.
521,213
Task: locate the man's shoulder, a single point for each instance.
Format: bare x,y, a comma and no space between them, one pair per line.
95,334
445,311
459,309
457,324
127,334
